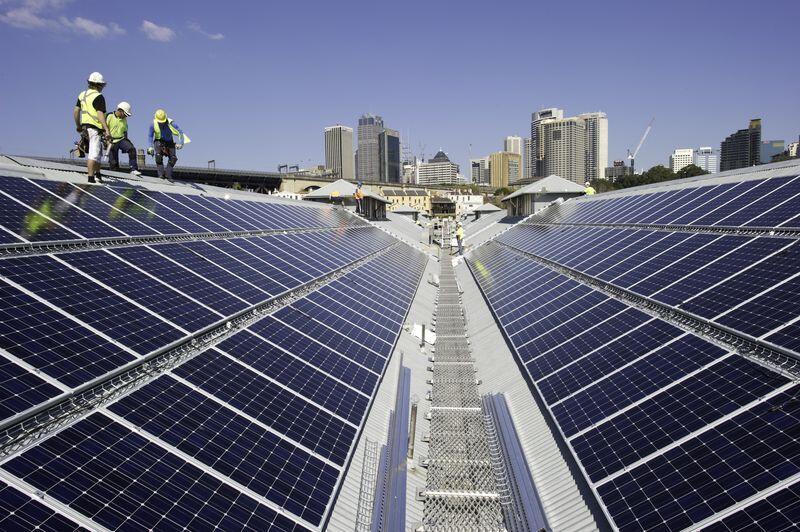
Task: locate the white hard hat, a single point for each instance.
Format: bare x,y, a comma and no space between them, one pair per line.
126,108
96,77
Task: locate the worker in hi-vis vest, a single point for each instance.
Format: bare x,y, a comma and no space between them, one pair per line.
118,125
165,137
588,189
460,238
90,121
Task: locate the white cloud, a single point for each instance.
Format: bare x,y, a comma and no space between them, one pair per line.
157,33
194,26
41,15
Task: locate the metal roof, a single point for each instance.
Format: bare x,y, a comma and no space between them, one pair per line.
341,189
552,184
487,207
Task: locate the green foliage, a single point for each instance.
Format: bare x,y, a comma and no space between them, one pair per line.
502,191
656,174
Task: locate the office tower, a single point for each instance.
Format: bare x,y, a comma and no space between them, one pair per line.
537,146
680,158
527,155
741,149
564,147
339,151
596,144
513,144
389,169
617,170
479,171
369,129
706,158
505,167
769,148
438,171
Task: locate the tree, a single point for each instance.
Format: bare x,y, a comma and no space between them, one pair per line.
690,170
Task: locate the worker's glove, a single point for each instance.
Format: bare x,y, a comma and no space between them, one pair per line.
151,151
178,146
79,129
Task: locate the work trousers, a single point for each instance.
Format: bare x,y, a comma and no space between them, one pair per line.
126,146
165,148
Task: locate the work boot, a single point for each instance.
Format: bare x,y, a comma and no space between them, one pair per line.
91,179
136,173
99,177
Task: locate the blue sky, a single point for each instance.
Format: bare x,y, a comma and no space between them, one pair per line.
255,83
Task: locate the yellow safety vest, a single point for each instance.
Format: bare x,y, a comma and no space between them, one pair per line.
460,233
157,131
588,191
89,115
117,126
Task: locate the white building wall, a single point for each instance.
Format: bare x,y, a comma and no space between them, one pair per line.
680,158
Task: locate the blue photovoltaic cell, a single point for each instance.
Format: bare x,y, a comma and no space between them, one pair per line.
677,412
767,312
132,283
302,377
273,273
20,389
788,337
33,223
22,512
134,202
235,266
746,284
354,326
369,320
286,268
232,445
607,358
307,325
213,272
123,481
230,223
236,385
721,467
77,211
778,512
173,204
89,302
316,354
53,343
119,207
183,279
582,343
666,365
330,298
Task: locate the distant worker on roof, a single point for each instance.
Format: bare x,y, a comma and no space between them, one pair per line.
359,196
165,137
588,189
118,126
460,238
90,121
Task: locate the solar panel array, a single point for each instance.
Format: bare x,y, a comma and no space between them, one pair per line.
253,433
626,313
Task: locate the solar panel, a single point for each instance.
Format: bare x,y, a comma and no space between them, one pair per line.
662,343
231,349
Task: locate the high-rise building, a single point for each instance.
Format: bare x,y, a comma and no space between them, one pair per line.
339,151
527,158
537,146
564,147
479,171
680,158
770,148
596,144
438,171
617,170
792,149
505,167
369,130
741,149
513,144
706,158
389,170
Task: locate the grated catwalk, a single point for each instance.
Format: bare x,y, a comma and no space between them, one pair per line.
461,492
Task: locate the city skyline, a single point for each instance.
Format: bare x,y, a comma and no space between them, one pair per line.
285,100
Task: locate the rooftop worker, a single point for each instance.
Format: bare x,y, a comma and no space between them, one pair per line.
359,195
460,238
165,137
588,189
118,125
90,121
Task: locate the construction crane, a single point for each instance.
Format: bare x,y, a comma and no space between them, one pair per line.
632,157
